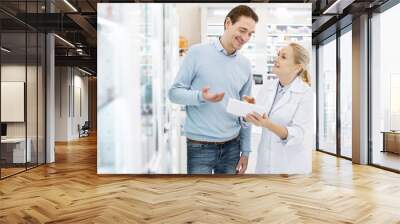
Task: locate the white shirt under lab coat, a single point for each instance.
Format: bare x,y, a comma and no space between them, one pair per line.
295,111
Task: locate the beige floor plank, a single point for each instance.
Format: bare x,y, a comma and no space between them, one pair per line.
70,191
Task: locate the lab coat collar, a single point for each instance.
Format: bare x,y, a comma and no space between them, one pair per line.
297,85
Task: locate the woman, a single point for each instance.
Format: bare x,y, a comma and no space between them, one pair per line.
286,140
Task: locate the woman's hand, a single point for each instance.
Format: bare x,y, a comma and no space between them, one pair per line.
258,120
265,122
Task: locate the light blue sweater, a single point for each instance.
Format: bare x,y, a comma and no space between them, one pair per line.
210,65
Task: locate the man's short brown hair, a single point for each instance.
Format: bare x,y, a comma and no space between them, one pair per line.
238,11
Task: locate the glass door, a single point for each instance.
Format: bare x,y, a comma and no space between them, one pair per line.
327,96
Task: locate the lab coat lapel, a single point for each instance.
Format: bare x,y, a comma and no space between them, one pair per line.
285,98
269,95
296,86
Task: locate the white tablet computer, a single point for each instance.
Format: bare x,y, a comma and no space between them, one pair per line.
241,108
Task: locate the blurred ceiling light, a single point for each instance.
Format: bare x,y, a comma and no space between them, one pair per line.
84,71
65,41
337,7
70,5
5,50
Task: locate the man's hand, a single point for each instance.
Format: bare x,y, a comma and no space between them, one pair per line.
210,97
249,99
242,164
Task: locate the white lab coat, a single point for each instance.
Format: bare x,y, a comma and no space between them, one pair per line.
295,111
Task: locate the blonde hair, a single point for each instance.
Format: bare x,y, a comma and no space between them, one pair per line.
302,58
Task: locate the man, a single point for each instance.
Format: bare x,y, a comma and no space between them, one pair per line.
217,142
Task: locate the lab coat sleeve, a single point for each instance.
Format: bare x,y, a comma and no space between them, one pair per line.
302,121
181,91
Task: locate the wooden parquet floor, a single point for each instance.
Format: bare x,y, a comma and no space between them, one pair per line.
70,191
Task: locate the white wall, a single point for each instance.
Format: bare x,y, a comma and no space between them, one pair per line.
12,73
70,84
33,126
79,117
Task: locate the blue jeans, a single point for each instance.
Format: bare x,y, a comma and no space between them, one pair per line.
213,158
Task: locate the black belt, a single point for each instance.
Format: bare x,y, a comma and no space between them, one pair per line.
211,143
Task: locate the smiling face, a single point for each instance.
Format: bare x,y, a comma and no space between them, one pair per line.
284,65
240,32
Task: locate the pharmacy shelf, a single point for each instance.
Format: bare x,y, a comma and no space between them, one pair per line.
265,43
